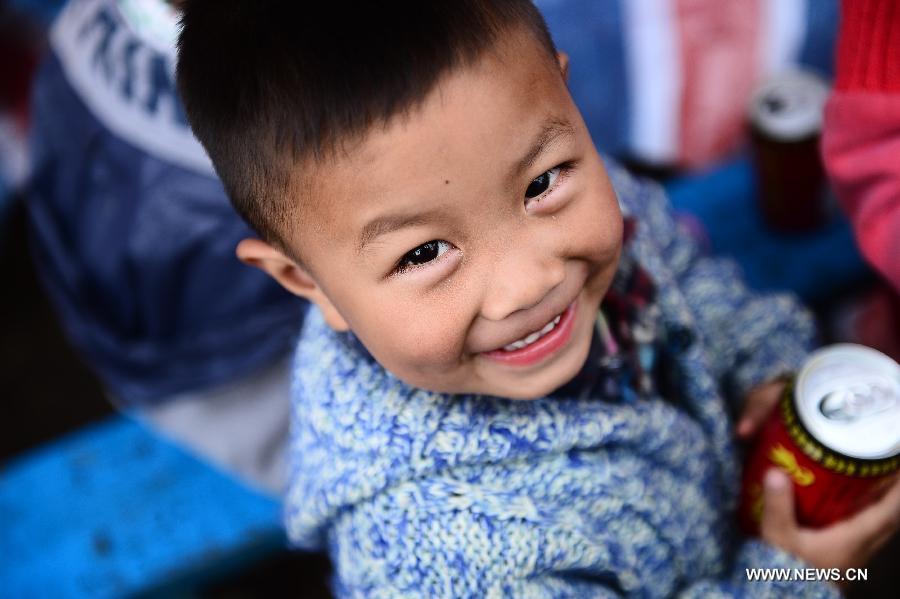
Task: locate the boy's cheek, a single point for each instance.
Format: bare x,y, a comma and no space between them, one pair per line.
411,349
596,227
598,238
435,355
425,370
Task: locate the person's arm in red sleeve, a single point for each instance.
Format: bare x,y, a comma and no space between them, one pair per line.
861,135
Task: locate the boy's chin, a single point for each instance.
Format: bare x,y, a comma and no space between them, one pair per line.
557,376
538,391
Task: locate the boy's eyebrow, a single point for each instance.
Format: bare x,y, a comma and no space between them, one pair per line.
386,224
553,129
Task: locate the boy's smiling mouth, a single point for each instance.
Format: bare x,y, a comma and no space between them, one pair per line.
532,337
538,345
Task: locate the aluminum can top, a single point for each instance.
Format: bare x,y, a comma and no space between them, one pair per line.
788,107
848,397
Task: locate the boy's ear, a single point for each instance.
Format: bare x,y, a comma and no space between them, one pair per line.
291,276
563,59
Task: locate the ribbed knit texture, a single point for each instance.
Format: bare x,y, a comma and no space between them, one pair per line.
869,46
861,130
421,494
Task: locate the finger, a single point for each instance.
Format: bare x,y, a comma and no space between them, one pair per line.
865,533
880,520
756,410
750,422
778,518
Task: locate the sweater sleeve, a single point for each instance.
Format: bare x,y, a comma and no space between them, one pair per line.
453,539
861,132
749,337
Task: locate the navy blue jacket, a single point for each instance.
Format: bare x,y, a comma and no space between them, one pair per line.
132,231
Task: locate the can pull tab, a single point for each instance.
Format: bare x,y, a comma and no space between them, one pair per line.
860,401
775,104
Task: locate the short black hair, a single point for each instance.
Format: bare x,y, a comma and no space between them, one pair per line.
268,83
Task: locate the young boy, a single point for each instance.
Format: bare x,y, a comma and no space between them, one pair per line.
461,426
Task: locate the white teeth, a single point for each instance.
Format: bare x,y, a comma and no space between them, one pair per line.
532,337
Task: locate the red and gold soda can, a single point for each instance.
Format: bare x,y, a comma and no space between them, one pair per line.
785,115
835,433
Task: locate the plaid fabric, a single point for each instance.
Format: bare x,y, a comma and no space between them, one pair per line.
629,337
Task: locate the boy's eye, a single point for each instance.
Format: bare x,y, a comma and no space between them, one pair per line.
542,183
423,254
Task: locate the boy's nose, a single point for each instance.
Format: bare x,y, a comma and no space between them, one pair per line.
520,282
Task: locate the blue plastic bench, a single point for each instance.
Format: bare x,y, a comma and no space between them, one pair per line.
113,510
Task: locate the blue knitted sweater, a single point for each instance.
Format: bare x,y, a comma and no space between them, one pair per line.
421,494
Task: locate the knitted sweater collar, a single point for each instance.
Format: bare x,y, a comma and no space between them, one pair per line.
358,430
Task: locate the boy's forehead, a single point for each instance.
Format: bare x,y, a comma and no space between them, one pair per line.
479,123
515,79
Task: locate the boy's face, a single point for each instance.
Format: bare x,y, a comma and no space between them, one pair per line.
467,225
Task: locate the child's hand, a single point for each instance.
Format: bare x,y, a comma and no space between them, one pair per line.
758,403
846,544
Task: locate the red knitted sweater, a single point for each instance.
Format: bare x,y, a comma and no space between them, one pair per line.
861,137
